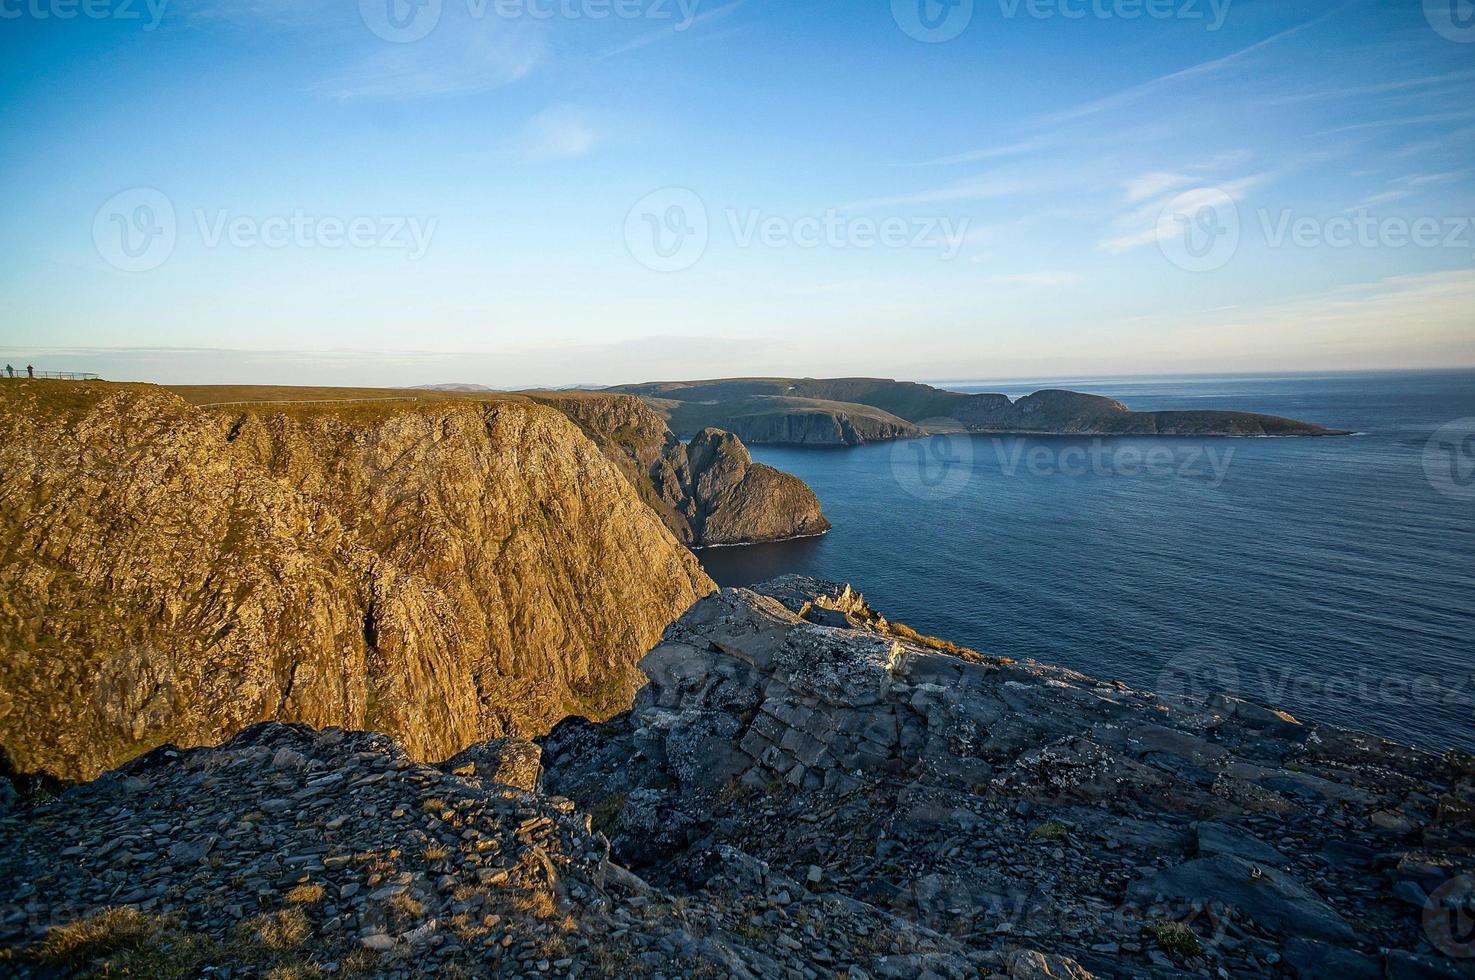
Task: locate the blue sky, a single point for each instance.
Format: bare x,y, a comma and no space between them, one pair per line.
539,195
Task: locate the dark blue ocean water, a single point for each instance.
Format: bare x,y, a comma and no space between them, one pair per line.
1333,577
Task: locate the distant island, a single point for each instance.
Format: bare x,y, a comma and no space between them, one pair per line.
851,411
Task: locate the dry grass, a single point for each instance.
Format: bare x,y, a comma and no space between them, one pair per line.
403,911
305,895
283,394
282,930
537,902
123,942
107,932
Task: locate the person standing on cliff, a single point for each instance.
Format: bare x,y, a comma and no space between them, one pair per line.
9,371
30,371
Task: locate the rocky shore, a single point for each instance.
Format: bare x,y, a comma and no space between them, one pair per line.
707,491
850,411
802,789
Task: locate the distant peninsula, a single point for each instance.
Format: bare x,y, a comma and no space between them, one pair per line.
851,411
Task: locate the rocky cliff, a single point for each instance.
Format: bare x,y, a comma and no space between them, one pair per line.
442,571
709,492
802,789
729,499
1022,809
847,411
814,424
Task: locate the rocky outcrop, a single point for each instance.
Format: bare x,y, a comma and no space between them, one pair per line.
819,426
293,853
726,498
1010,805
848,411
803,788
442,571
709,492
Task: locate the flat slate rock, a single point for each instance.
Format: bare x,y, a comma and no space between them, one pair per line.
1267,895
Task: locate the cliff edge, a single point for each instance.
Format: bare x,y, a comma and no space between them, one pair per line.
441,571
802,789
708,492
849,411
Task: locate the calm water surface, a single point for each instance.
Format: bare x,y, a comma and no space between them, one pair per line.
1327,576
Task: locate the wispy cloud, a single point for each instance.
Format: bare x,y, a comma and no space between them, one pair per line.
980,188
986,153
1433,117
1414,321
1408,186
484,55
1362,91
1040,279
1139,225
685,21
557,132
1155,184
1201,70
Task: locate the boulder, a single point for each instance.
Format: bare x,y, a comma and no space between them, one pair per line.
510,761
1269,896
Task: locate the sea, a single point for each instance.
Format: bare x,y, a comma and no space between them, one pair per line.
1331,577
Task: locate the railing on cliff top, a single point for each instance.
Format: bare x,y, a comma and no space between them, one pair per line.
21,375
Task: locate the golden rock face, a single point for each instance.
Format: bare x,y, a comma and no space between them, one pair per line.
442,571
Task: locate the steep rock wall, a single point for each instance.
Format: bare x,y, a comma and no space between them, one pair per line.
444,572
709,492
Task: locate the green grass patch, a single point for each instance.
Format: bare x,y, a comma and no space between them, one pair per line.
1050,830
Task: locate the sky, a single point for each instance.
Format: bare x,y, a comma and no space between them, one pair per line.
551,192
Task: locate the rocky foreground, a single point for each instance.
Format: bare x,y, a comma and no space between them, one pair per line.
803,790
